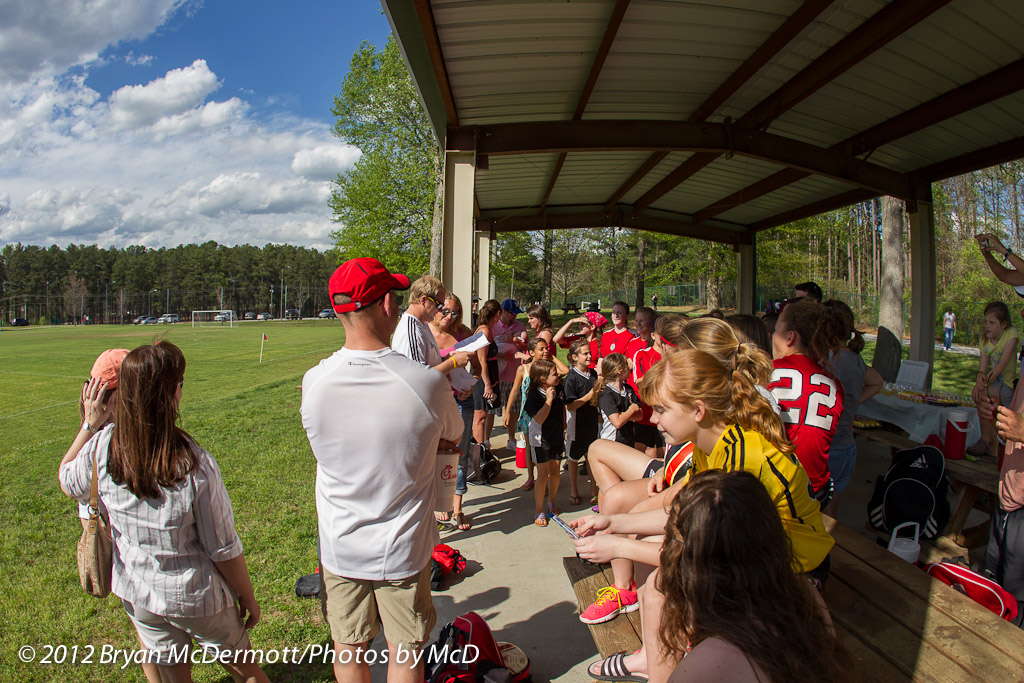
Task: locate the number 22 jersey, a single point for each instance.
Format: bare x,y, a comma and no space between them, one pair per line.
812,401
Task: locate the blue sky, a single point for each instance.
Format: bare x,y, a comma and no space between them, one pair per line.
159,122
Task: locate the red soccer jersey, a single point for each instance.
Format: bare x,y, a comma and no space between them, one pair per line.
811,401
616,342
643,359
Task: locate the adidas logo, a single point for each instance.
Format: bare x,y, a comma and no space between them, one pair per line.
920,463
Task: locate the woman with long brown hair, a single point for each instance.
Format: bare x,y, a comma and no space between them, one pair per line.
733,609
178,564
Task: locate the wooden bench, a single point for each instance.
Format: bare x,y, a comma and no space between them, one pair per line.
897,623
972,477
621,634
570,307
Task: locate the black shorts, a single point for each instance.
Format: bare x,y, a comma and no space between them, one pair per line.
648,435
542,454
819,575
578,449
653,466
480,403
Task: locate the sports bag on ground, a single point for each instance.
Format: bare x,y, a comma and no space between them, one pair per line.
981,589
913,490
445,560
466,652
484,466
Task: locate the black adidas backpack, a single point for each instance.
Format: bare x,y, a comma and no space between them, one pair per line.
484,466
913,490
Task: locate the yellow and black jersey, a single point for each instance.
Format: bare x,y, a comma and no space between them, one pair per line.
787,484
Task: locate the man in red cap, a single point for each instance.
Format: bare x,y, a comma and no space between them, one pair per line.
375,420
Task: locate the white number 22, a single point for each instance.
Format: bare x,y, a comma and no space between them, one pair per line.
815,402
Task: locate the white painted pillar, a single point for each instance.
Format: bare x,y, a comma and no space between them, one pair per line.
922,282
483,265
746,277
457,239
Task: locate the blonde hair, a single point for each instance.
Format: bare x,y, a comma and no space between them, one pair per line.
728,391
718,338
428,286
612,367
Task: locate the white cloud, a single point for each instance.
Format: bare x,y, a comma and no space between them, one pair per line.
324,162
179,91
131,59
159,164
46,37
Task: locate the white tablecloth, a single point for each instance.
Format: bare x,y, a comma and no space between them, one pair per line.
919,420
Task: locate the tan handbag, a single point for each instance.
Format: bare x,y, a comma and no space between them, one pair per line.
95,548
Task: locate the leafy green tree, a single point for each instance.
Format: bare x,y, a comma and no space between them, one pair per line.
389,204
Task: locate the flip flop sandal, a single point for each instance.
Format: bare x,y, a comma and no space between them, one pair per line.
613,669
552,510
460,521
443,517
574,500
541,520
528,486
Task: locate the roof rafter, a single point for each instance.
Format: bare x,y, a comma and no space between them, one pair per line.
889,22
618,12
790,28
426,17
965,163
716,138
989,88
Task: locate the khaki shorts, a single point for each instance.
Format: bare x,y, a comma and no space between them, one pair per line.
170,638
357,608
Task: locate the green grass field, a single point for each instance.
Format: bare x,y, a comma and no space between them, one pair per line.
245,414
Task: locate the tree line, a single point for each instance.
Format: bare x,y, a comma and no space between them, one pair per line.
57,285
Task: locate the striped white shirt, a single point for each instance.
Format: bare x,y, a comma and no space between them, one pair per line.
164,549
414,340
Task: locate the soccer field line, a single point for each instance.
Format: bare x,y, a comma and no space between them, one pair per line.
36,410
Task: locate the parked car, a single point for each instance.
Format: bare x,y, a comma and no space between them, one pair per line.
292,314
250,315
150,320
138,321
19,322
328,313
264,316
169,318
225,317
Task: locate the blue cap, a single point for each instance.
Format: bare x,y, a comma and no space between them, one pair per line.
511,306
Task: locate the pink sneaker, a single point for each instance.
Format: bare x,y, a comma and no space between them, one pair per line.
610,602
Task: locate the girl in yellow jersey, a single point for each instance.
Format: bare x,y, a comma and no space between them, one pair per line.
696,398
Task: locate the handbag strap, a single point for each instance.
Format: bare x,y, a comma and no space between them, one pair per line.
94,499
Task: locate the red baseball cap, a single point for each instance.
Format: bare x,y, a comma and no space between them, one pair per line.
364,280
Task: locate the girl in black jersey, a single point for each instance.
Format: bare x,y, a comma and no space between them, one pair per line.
584,419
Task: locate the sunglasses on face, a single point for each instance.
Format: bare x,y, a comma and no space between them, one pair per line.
436,302
445,312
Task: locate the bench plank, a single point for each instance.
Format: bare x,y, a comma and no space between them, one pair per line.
617,635
954,640
869,664
988,627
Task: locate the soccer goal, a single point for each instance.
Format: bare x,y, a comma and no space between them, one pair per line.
214,318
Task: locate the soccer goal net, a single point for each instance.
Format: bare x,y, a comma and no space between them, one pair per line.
214,318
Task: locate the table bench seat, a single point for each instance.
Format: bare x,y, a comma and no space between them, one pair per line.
621,634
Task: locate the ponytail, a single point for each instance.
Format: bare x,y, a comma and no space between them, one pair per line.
849,333
820,328
729,393
613,365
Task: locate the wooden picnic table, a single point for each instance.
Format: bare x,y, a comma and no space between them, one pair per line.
897,623
973,478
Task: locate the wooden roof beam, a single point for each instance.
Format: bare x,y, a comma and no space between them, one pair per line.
706,138
618,12
790,28
989,88
888,23
429,28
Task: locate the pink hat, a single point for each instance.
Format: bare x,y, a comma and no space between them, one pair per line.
363,280
596,319
108,365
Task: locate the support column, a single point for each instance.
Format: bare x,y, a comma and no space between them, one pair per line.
922,280
457,238
746,276
483,265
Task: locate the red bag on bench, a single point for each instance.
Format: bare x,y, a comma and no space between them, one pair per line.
982,590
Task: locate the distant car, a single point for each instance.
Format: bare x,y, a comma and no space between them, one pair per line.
264,316
328,313
168,318
138,321
250,315
151,320
292,314
19,322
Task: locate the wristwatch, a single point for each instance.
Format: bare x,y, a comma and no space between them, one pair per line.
89,428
